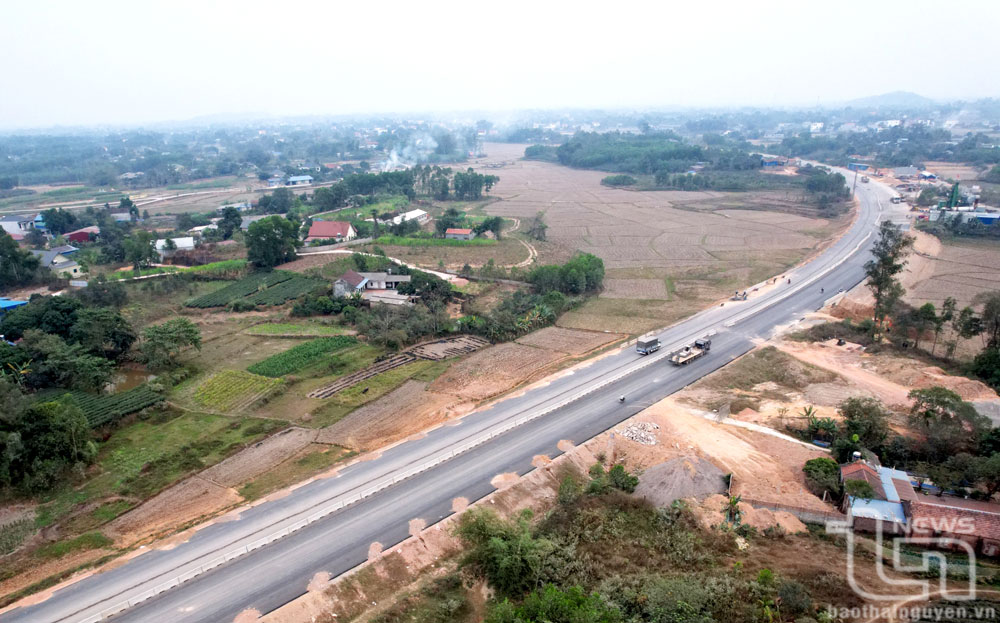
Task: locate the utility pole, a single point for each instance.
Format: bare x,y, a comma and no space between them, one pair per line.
854,190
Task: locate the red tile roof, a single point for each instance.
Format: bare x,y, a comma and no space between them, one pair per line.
455,230
352,278
863,471
941,516
329,229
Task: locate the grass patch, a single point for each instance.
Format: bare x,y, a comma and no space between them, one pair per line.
296,329
768,365
90,540
301,356
142,458
14,533
439,599
402,241
221,183
231,389
294,470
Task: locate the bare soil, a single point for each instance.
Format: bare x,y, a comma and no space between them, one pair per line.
400,413
181,503
493,370
569,341
259,458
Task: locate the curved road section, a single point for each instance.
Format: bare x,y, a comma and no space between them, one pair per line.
267,557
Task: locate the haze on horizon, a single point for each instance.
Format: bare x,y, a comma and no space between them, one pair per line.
125,63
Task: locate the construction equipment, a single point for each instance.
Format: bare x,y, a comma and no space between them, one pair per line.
647,344
691,352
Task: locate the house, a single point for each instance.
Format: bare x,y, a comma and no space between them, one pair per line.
200,229
456,233
773,162
85,234
40,222
902,173
58,260
121,217
274,182
349,283
900,509
331,230
300,180
418,215
383,281
180,244
7,305
374,287
17,224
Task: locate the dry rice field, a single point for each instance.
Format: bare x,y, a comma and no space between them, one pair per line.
960,269
666,253
494,370
569,341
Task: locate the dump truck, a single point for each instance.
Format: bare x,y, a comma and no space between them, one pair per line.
690,352
647,344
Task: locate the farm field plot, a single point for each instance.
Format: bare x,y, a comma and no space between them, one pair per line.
693,247
251,284
569,341
300,356
233,390
506,252
493,370
329,264
961,269
259,458
102,409
402,412
304,329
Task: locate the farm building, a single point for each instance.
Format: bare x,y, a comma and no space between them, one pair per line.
903,173
58,260
348,283
899,508
274,182
457,233
17,224
85,234
300,180
374,287
7,305
121,217
418,215
181,244
331,230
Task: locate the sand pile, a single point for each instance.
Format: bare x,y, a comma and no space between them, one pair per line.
710,513
680,478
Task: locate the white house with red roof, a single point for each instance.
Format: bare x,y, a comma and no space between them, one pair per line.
341,231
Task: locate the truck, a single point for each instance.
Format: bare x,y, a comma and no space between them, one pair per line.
691,352
647,344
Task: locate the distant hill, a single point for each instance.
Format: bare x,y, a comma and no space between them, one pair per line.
896,99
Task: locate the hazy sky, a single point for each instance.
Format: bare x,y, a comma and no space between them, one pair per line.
88,62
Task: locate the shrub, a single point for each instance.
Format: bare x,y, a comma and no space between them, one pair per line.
822,474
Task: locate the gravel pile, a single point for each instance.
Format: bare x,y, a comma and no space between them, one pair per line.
640,432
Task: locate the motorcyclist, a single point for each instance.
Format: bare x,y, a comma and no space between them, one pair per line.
621,398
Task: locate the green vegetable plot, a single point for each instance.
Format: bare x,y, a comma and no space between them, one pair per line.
300,356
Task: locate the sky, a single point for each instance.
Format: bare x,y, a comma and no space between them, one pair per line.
125,63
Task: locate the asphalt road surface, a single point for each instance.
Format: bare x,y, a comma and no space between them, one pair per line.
575,406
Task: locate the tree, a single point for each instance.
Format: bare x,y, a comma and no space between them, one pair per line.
272,241
59,221
946,316
987,473
859,489
49,314
230,223
17,266
867,418
140,250
731,510
56,363
924,318
102,293
537,227
162,343
986,366
822,475
42,444
990,317
103,332
951,425
506,553
887,262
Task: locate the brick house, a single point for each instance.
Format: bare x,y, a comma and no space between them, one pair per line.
331,230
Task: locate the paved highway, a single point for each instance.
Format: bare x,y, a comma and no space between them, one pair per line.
323,534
